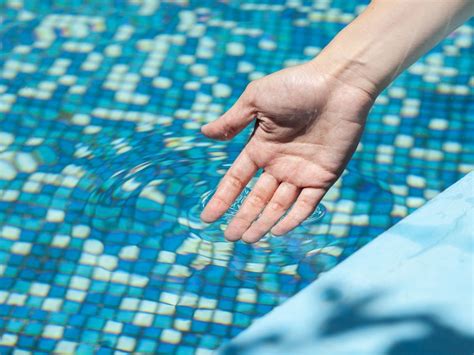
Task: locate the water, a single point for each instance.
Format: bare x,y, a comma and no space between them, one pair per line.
214,231
103,171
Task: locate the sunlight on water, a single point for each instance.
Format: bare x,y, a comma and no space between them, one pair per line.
104,172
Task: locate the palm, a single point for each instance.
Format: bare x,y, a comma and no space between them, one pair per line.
308,126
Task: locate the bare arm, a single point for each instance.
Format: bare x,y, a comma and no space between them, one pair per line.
310,117
389,36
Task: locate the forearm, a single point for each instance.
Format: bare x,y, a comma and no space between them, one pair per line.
388,37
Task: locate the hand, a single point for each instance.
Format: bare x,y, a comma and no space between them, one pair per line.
308,126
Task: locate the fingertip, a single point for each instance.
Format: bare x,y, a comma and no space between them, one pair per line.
281,228
208,217
234,231
213,134
277,231
231,236
213,211
205,130
251,238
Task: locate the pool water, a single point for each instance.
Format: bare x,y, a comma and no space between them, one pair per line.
103,170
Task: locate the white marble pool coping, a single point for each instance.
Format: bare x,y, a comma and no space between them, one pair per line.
409,290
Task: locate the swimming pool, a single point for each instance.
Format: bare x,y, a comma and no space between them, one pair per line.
103,169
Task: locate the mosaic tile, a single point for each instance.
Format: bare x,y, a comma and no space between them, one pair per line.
102,168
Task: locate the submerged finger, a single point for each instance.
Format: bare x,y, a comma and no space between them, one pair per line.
281,201
302,209
255,202
231,185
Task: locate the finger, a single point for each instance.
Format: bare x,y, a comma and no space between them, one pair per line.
302,209
231,122
283,198
231,185
255,202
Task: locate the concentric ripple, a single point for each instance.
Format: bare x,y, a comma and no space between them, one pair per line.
147,196
215,230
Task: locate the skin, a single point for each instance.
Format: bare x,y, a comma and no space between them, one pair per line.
309,118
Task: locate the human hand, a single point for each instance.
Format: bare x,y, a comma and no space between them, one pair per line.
308,126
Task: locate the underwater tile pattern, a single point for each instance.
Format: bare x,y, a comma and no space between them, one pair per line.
102,167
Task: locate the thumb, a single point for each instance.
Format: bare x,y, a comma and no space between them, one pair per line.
230,123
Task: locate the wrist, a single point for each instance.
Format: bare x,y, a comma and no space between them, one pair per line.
349,71
356,55
386,38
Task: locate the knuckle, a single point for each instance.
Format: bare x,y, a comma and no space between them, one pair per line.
250,93
235,182
276,205
251,86
305,205
294,219
217,200
256,200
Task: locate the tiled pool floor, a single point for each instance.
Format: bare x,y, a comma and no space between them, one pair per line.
102,166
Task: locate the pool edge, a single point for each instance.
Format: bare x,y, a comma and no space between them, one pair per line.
413,278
